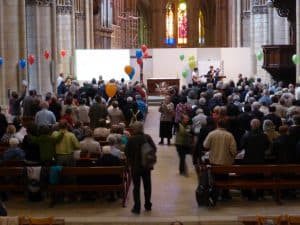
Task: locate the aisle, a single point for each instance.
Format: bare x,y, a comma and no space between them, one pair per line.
172,194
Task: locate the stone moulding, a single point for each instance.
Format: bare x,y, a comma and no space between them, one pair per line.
260,9
64,9
80,15
39,2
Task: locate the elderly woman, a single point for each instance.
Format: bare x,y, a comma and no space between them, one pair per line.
269,130
88,144
166,120
10,133
101,132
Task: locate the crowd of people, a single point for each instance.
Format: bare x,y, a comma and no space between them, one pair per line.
80,126
220,123
50,130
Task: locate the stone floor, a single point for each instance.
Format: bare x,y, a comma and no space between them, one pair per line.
173,198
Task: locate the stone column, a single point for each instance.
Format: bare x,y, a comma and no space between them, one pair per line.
87,24
2,68
270,23
193,23
23,45
298,39
252,40
91,18
13,35
64,36
238,23
54,53
73,36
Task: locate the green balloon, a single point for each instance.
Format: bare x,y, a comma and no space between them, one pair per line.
185,74
296,59
260,55
181,57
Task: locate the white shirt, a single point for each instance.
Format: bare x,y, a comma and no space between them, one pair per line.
59,80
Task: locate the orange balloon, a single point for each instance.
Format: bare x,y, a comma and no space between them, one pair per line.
128,69
111,89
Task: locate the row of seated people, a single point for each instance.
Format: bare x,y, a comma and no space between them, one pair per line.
44,145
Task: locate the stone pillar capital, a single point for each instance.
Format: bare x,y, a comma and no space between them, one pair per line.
39,2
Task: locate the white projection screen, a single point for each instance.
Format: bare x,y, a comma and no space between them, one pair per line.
109,64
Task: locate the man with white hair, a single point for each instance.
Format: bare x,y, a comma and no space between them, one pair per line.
45,117
198,121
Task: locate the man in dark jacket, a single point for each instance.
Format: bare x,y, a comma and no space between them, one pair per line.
255,143
3,123
133,151
97,111
15,102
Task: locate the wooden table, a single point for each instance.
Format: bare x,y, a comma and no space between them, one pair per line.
159,86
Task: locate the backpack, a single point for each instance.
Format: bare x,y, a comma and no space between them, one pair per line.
206,195
148,156
3,211
134,117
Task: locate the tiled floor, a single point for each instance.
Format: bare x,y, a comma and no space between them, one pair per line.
173,198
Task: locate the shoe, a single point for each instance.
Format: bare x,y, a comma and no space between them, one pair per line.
169,142
135,211
148,209
160,143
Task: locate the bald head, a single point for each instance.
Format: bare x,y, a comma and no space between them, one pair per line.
255,124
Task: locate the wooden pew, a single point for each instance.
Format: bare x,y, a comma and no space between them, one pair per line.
86,172
273,177
14,174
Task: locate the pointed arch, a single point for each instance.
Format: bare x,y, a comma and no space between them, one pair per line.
182,23
170,23
201,28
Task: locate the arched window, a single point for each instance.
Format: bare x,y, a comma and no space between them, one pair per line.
201,29
182,23
170,24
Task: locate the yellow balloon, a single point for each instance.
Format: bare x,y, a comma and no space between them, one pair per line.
111,89
128,69
192,64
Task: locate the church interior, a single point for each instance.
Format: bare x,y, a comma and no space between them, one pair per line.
259,39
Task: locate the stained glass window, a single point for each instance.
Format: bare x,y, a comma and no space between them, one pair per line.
182,23
201,29
170,24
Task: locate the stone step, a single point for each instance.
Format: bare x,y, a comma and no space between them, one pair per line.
155,100
142,220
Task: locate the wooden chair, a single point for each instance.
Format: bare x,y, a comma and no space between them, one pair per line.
293,220
40,221
269,220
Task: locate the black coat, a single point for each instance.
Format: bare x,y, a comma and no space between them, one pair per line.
3,125
255,143
133,150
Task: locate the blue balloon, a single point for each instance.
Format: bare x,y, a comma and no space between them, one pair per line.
22,63
1,61
131,75
171,41
139,54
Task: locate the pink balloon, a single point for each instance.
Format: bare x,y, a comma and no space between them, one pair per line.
146,55
46,54
63,53
31,59
144,48
139,61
